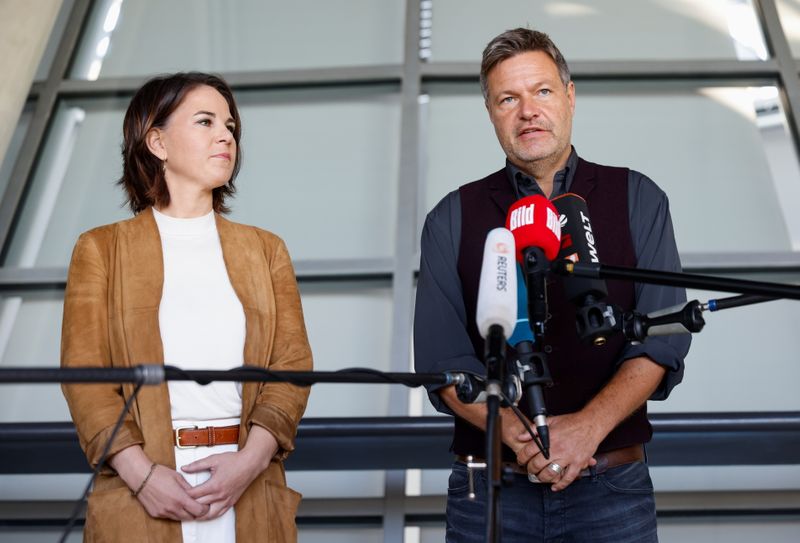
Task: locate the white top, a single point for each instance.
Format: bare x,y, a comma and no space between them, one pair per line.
201,318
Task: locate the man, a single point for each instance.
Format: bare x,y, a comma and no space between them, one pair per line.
596,485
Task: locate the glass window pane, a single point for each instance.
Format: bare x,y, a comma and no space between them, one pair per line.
30,331
431,535
338,534
73,188
789,12
744,359
750,478
319,165
144,37
337,484
609,30
721,152
349,325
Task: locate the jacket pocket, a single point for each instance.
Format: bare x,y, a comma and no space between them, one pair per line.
114,515
281,503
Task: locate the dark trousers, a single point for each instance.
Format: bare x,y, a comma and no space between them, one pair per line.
613,507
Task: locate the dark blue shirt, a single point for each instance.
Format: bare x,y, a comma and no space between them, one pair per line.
441,342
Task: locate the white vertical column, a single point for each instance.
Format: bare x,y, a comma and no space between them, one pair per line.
25,27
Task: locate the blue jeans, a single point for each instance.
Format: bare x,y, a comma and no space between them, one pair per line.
617,506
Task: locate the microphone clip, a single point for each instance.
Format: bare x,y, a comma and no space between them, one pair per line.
595,321
684,319
473,389
531,366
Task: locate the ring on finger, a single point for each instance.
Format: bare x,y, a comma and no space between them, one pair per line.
555,468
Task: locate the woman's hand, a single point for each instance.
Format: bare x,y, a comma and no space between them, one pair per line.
232,472
165,494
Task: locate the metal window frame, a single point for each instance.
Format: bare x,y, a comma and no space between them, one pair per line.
411,76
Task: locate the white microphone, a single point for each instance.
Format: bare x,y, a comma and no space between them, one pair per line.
495,315
497,289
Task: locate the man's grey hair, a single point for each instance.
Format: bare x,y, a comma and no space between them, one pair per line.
513,42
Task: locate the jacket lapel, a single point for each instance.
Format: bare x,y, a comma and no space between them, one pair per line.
248,271
138,284
243,261
141,264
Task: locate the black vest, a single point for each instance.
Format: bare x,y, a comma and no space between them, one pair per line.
579,371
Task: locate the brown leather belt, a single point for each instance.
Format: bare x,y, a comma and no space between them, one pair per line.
605,460
188,437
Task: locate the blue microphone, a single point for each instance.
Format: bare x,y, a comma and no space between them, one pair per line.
531,365
522,329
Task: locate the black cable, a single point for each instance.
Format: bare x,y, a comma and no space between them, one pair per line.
521,416
79,504
188,377
262,371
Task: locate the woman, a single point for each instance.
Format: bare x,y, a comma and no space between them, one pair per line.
181,285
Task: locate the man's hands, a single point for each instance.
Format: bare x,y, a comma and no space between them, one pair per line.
574,437
475,414
573,442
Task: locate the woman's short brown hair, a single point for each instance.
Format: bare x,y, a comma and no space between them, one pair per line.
151,106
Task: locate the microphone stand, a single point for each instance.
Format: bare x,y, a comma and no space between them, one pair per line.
494,356
685,318
676,279
154,374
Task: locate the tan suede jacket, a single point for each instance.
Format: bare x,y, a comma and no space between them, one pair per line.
111,319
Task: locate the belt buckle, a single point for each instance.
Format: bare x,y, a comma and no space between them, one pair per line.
178,437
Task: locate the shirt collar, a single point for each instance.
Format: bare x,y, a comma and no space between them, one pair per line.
525,185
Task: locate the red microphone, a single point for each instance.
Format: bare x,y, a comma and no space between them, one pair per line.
534,221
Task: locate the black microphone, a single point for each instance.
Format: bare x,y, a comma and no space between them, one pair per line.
531,366
594,320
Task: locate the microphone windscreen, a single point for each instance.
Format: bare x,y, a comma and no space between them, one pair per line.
578,244
534,222
522,329
497,289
